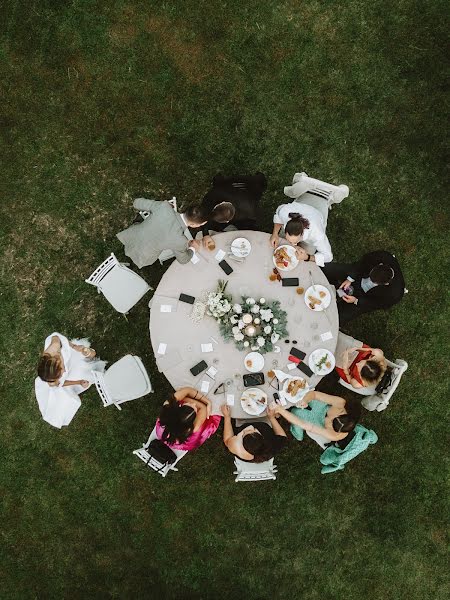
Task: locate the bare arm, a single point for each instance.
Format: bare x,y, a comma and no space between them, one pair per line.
326,433
336,401
193,394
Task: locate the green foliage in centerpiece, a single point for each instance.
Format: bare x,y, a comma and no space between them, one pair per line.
254,324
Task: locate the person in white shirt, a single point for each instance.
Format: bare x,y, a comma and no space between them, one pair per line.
304,226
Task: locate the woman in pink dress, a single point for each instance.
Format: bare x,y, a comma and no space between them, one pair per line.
185,421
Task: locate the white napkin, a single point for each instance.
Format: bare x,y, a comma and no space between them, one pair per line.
204,387
230,399
326,336
220,255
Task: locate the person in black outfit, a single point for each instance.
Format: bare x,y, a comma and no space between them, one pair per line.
253,441
232,201
376,279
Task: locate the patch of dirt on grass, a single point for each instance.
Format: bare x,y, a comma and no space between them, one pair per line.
191,59
126,29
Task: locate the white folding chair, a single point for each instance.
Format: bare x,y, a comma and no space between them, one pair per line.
122,287
125,380
249,471
373,400
152,463
381,401
319,439
302,184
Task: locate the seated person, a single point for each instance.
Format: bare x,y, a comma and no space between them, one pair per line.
64,372
232,201
185,421
304,226
365,370
164,229
253,442
329,417
372,283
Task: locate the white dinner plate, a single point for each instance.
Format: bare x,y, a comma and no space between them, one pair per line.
253,401
254,362
241,247
319,293
293,260
301,392
317,356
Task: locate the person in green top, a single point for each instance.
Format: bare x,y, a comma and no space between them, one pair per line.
331,417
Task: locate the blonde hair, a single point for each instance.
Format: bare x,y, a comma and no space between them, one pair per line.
49,367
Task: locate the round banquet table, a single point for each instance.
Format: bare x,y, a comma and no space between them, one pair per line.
183,337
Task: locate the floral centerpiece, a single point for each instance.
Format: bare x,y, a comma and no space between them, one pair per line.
254,324
218,303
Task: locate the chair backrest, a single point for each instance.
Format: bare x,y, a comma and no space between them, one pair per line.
380,401
247,471
125,380
333,194
100,272
102,390
151,462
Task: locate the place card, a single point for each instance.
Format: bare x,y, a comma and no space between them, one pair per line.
220,255
207,347
326,336
195,259
162,348
230,399
166,308
211,372
291,366
282,400
204,387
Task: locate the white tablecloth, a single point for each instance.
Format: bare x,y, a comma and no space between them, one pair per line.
184,337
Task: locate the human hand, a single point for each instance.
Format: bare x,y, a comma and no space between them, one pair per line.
345,284
208,242
88,352
301,253
349,299
226,411
274,240
194,244
84,383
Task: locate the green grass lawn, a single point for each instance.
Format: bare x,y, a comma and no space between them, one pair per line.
105,100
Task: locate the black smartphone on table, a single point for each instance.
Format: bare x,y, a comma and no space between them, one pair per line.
289,281
297,353
252,379
225,267
199,367
186,298
303,367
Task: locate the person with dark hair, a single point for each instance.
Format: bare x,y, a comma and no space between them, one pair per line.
185,421
365,370
304,226
64,372
163,229
253,442
374,282
330,417
232,201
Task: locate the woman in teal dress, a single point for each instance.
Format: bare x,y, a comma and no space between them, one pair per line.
328,416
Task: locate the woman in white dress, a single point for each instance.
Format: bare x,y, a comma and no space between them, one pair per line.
64,372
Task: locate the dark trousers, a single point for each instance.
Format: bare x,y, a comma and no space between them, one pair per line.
336,273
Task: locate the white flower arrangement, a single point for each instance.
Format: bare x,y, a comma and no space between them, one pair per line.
218,304
252,324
